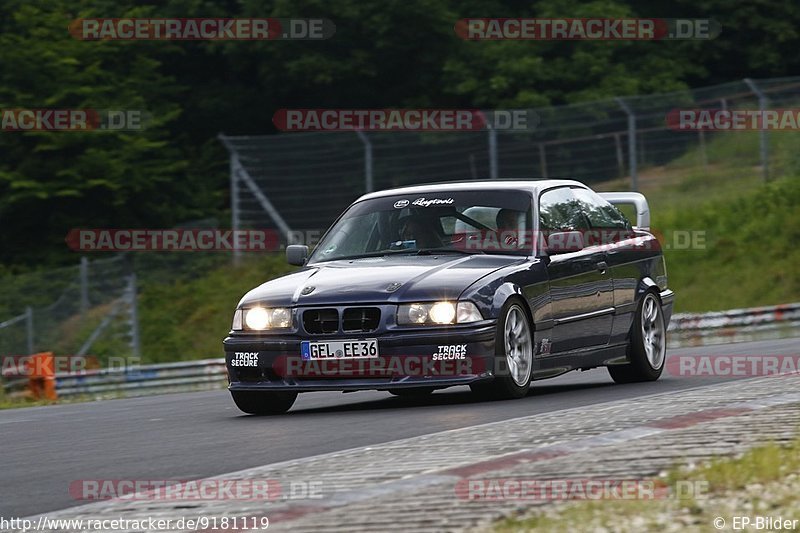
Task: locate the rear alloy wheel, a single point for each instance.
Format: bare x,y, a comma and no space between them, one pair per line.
514,343
263,403
648,344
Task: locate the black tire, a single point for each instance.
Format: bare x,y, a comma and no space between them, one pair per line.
263,403
645,364
416,392
504,386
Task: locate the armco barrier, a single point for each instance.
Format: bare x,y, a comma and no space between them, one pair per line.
686,329
734,325
203,374
184,376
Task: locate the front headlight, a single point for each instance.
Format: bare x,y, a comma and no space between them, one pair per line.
256,318
437,313
261,318
442,313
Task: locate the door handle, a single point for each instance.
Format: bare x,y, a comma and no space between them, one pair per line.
602,266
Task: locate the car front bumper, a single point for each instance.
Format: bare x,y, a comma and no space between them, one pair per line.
406,360
667,300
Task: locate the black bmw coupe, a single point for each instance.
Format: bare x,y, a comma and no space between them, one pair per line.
489,284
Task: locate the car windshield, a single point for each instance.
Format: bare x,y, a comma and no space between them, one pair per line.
458,222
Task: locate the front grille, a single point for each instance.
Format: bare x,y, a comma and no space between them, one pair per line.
321,320
361,319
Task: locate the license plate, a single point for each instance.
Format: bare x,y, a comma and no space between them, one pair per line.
340,349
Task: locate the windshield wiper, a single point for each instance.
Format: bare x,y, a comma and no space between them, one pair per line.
405,251
429,251
408,251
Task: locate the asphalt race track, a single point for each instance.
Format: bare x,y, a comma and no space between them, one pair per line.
189,436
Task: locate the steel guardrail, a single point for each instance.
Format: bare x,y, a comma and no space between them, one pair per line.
207,374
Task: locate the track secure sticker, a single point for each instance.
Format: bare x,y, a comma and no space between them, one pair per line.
450,351
244,359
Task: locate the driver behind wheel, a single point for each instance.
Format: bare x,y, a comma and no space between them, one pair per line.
507,228
420,230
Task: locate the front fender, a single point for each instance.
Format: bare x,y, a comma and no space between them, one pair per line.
504,292
528,281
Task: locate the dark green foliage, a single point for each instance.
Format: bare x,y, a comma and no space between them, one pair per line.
391,53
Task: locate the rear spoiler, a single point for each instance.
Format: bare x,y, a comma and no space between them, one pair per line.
637,200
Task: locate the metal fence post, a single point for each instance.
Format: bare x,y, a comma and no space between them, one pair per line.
368,184
631,143
703,155
238,172
620,160
84,275
493,172
134,317
235,221
29,328
763,139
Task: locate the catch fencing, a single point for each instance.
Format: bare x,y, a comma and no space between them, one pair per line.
294,182
68,310
91,307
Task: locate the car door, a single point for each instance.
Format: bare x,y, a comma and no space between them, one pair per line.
632,255
581,290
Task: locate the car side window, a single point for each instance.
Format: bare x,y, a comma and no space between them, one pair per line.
601,214
559,210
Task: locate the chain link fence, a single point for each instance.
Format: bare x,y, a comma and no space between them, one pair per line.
91,307
302,181
67,310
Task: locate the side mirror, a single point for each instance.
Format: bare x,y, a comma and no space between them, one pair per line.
561,242
296,254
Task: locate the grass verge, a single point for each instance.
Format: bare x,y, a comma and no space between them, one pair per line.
764,481
185,320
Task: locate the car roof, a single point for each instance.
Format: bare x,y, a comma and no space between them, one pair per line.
482,185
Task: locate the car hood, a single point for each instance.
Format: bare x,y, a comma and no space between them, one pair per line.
378,280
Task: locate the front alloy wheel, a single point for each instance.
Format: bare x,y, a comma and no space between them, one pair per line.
513,346
518,345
